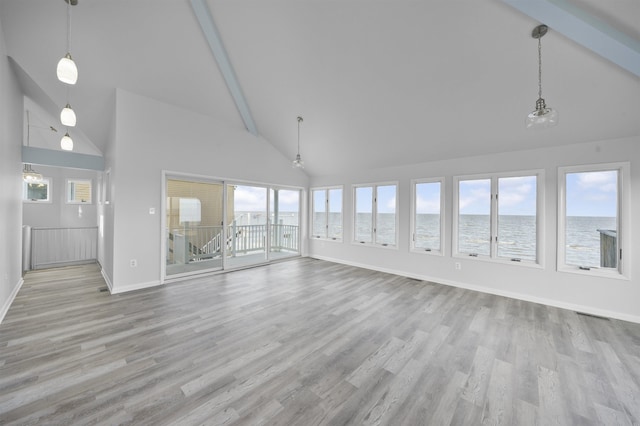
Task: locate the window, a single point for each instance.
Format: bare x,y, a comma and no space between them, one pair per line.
591,237
37,192
78,191
327,213
427,224
517,217
375,220
498,217
474,217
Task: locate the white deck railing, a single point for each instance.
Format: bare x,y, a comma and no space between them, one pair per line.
195,243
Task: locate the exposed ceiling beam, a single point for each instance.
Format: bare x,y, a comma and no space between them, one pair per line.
583,28
203,14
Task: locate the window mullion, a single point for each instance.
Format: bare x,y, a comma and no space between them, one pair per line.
374,214
326,213
494,219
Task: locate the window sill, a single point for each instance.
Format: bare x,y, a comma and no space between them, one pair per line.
595,272
427,252
331,240
500,261
387,247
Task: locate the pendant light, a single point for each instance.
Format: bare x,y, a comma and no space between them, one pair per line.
298,163
28,174
67,70
542,116
68,116
66,143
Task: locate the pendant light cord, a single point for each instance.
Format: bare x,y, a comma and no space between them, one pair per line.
298,135
68,26
539,67
299,120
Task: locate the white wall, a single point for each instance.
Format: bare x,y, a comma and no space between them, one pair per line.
611,297
58,213
150,137
11,121
105,208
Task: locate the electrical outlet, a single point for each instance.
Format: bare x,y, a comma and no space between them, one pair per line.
458,266
133,263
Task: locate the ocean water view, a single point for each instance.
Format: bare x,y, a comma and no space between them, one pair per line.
516,234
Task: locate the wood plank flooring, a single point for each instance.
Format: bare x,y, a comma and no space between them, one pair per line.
307,342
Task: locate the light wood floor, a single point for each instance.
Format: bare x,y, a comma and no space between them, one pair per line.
307,342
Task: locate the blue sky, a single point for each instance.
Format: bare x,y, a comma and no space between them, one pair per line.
428,198
587,194
335,200
517,196
254,199
386,195
592,193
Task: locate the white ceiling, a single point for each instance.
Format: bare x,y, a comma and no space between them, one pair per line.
378,82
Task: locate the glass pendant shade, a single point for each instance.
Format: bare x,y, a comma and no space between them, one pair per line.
66,143
30,175
298,163
542,116
67,70
68,116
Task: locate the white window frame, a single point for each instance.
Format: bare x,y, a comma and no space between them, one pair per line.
80,180
374,213
327,210
623,220
414,184
493,243
49,199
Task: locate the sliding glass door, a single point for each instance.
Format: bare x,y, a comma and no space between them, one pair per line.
194,218
218,225
285,223
247,229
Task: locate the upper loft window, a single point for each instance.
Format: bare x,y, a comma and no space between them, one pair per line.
498,217
375,220
326,221
427,224
592,224
37,192
79,191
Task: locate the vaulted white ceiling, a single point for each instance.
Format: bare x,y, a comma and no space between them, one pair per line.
379,83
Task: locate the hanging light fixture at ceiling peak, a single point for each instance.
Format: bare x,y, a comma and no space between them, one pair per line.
68,116
298,163
542,116
67,70
66,143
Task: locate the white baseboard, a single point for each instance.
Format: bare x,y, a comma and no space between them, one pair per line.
9,301
132,287
106,279
512,295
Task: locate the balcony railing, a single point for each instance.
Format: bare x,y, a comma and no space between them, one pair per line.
195,243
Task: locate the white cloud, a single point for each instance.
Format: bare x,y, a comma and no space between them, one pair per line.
602,181
474,196
516,194
247,198
428,206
